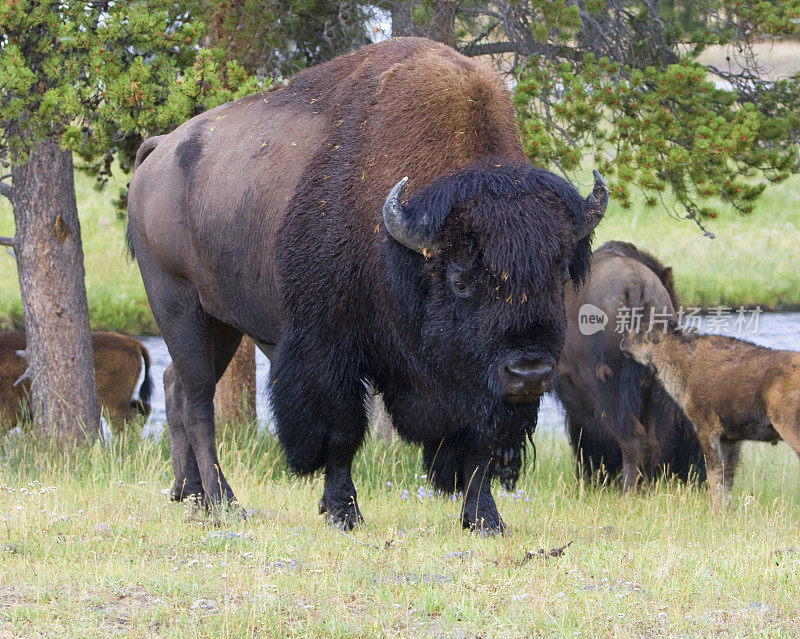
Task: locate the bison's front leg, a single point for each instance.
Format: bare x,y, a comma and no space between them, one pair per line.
320,420
453,463
479,512
633,455
715,464
338,501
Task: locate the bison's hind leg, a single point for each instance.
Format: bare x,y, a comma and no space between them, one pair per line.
320,418
186,483
201,348
785,418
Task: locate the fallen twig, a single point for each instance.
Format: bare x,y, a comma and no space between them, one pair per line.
544,554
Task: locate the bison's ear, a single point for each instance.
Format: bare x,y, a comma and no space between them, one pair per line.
398,224
594,207
603,372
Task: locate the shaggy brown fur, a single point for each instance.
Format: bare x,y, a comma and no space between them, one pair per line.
730,389
626,249
117,363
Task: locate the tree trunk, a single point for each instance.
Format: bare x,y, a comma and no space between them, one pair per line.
235,397
51,278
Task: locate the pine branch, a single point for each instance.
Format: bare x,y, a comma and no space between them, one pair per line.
472,50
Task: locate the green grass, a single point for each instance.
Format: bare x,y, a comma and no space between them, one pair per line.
91,547
753,261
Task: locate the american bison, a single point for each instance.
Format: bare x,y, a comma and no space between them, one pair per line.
730,389
619,419
372,223
117,366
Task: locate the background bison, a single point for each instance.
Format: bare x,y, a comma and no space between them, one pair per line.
619,419
283,216
117,366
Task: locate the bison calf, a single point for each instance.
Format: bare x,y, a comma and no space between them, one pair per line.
730,389
117,365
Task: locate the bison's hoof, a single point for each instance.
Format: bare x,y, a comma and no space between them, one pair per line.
225,501
486,526
182,491
345,523
229,511
341,517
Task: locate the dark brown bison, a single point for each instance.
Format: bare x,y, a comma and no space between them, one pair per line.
117,366
284,216
732,391
619,419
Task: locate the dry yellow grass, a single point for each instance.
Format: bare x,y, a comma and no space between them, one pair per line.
90,547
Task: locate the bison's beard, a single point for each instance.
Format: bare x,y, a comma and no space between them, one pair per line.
508,449
452,424
505,451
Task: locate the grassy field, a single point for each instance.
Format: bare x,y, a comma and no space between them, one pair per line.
753,260
89,546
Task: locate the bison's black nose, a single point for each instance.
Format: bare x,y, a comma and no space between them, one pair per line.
524,379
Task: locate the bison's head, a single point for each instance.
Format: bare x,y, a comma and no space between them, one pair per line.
493,247
637,345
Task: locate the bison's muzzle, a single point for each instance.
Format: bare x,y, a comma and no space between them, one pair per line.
525,379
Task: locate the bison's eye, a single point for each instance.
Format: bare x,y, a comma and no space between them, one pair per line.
460,284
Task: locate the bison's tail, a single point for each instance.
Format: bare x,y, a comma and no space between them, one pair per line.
145,149
146,389
129,242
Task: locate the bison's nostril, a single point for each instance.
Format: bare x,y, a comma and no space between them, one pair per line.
524,379
528,369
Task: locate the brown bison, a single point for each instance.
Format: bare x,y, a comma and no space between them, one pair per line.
619,419
730,389
117,366
374,223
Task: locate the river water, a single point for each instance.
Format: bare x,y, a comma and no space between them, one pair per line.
776,330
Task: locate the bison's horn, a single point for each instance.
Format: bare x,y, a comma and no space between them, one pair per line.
595,206
396,223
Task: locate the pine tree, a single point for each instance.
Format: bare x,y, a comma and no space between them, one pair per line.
616,84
